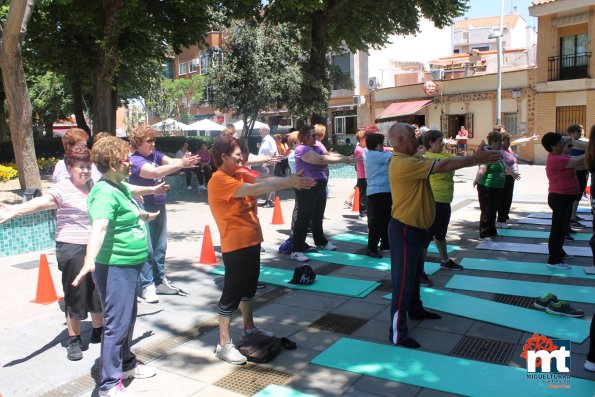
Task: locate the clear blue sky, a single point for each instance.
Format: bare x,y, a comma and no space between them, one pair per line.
488,8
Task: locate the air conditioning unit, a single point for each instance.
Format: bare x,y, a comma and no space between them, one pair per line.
372,83
359,100
438,74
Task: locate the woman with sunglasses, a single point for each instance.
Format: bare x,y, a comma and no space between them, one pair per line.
149,167
116,250
313,163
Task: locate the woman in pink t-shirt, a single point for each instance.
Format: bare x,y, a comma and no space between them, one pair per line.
362,184
563,188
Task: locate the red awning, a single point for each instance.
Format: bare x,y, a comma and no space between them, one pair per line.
402,109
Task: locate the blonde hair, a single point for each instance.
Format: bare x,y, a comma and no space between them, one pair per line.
320,131
100,135
228,131
292,137
139,133
107,151
359,135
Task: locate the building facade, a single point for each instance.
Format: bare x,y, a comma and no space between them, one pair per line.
565,87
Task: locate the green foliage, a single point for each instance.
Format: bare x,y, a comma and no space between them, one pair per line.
165,97
50,98
46,165
260,70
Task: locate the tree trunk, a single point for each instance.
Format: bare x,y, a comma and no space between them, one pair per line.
4,129
17,94
79,109
104,108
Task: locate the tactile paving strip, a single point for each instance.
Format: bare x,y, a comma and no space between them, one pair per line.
250,379
338,323
482,349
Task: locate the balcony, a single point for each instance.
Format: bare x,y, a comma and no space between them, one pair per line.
568,67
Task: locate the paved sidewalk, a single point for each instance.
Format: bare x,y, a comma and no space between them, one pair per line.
178,334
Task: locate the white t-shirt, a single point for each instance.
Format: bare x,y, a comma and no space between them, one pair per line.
268,146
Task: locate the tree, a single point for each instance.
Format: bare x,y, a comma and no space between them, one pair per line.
12,34
260,69
168,98
51,100
328,25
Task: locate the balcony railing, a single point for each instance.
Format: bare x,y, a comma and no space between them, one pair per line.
568,67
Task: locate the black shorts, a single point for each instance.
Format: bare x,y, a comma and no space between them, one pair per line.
84,298
242,268
441,221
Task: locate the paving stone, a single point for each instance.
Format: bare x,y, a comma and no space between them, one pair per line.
357,308
373,330
435,341
493,331
448,323
289,315
314,339
165,383
322,302
212,391
323,381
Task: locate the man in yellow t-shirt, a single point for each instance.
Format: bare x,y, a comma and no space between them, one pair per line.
412,214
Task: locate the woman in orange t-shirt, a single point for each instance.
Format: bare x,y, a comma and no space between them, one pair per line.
233,205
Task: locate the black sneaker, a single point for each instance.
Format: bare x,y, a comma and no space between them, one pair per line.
425,280
543,301
568,237
374,254
260,285
450,265
562,308
268,204
74,350
96,335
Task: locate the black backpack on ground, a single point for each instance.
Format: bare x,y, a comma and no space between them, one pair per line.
262,349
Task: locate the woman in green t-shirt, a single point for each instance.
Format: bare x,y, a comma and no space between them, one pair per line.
116,251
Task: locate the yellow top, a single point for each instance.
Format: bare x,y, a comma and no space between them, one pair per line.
413,200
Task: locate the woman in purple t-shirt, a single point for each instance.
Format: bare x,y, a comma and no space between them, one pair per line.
310,159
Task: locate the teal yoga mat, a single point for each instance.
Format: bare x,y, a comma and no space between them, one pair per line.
280,391
538,234
573,293
347,259
438,372
509,316
524,268
358,238
327,284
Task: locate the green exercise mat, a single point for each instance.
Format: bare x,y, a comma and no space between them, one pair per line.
527,320
538,234
347,259
358,238
537,268
327,284
439,372
573,293
280,391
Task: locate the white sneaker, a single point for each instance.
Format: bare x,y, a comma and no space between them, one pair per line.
150,294
560,265
230,354
117,391
503,225
589,366
165,288
299,256
202,187
188,187
141,371
328,246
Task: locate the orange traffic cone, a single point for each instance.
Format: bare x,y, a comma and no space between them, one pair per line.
277,215
588,191
46,293
355,206
207,253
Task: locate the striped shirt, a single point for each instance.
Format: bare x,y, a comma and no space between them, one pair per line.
72,215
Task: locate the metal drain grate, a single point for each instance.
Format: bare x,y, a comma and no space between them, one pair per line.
251,379
328,268
337,323
385,285
27,265
481,349
520,301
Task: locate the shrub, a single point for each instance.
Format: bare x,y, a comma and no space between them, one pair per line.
8,172
46,165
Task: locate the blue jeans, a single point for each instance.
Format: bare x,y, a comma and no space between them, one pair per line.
153,271
117,291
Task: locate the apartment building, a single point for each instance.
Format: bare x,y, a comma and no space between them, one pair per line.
565,87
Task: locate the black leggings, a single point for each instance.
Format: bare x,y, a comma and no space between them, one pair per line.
242,268
379,207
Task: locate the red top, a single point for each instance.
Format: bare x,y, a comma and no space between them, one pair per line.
562,180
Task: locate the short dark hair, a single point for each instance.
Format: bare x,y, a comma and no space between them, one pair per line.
225,144
429,137
495,136
78,152
549,140
373,140
574,128
304,132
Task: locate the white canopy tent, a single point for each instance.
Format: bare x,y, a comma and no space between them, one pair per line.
257,124
169,125
204,125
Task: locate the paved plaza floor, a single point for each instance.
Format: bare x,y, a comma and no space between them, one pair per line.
178,334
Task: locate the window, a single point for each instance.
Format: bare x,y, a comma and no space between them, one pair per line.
482,48
341,71
182,68
205,60
345,125
572,50
168,69
207,93
509,122
193,65
451,123
567,115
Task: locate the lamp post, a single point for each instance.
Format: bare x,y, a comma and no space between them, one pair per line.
498,37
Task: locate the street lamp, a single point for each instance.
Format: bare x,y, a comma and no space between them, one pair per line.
498,36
